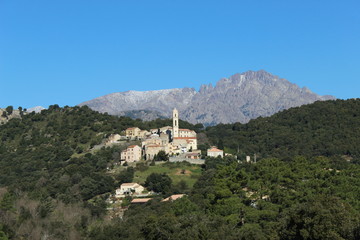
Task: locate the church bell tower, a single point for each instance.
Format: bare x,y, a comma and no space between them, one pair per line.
175,123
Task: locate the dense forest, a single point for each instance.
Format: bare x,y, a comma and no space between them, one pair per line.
306,184
327,128
300,199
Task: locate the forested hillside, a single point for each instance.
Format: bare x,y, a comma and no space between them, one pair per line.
272,199
324,128
304,186
46,158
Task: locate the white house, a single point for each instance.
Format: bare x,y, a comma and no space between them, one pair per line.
129,189
214,152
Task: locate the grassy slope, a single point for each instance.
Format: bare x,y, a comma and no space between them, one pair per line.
192,173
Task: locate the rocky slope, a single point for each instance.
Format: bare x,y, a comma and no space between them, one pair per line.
239,98
5,116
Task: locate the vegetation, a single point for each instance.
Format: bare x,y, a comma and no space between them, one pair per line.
55,177
329,128
298,199
178,172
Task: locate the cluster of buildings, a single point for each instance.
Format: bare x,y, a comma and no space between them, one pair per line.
172,140
138,193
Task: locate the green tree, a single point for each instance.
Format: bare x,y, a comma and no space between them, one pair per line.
161,156
160,183
9,109
126,176
321,217
3,236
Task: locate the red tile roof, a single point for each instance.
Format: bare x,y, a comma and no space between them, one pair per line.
173,197
132,146
141,200
215,150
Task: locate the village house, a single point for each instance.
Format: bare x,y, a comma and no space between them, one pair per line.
132,132
214,152
151,150
192,155
113,138
154,131
131,154
166,129
143,134
129,189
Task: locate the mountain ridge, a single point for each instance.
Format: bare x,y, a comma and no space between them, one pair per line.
239,98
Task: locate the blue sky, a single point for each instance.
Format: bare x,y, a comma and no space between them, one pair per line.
67,52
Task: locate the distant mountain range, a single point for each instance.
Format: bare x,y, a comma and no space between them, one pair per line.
238,98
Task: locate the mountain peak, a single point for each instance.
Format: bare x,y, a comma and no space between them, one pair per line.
238,98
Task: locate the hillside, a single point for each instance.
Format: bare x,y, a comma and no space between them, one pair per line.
53,185
324,128
238,98
50,176
9,113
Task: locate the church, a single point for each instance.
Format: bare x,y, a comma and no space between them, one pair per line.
172,140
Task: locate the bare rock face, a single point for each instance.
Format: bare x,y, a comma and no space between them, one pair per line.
239,98
5,116
36,109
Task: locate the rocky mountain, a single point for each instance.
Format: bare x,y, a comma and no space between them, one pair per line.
238,98
36,109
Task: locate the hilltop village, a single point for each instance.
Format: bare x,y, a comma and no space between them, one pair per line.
177,143
172,140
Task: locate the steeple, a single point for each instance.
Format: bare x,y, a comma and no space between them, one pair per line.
175,123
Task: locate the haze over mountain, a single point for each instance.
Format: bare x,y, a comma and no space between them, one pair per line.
238,98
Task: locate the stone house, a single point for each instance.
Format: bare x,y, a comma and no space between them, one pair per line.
214,152
132,132
131,154
187,133
129,189
113,138
192,155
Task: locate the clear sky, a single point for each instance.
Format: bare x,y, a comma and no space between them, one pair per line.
69,51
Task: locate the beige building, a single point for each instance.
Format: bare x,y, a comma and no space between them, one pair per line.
132,132
113,138
152,139
153,149
166,129
154,131
129,189
192,155
187,133
185,143
214,152
131,154
175,130
143,134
